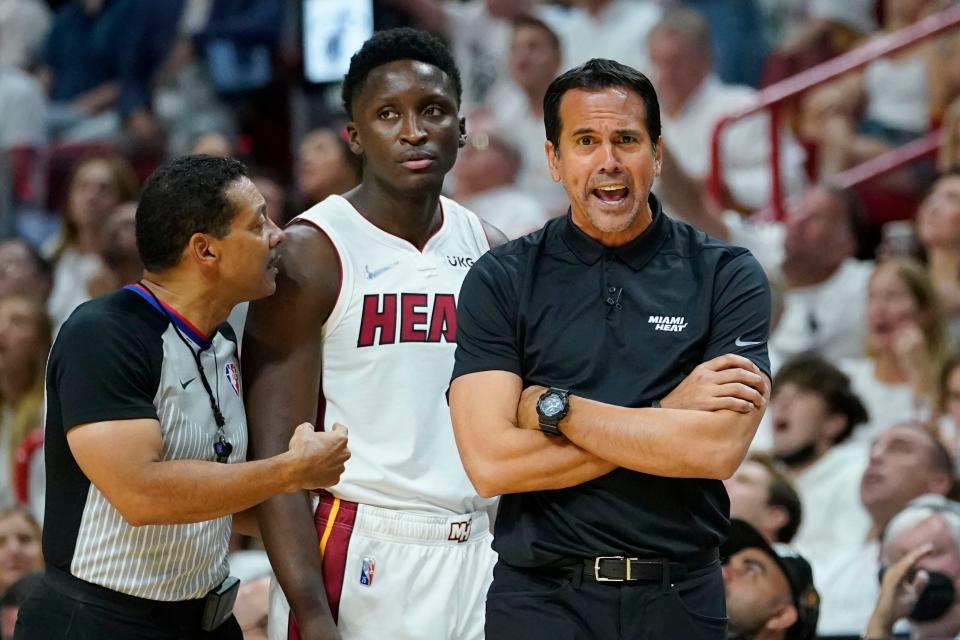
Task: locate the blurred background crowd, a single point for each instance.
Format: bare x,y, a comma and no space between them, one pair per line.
858,231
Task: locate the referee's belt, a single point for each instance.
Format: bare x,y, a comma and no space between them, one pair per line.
624,569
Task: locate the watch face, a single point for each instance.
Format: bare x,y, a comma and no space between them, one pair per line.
551,406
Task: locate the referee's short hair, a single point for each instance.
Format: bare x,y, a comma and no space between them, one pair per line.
595,75
183,197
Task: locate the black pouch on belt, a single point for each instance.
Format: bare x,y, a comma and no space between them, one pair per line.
219,604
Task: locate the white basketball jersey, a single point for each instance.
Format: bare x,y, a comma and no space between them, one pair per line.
388,350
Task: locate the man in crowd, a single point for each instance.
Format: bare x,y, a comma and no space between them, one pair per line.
769,589
762,495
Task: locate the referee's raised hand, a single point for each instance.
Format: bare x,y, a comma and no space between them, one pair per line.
319,456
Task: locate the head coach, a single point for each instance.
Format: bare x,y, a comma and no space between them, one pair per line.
146,432
575,344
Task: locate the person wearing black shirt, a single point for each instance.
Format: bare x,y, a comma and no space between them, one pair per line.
576,347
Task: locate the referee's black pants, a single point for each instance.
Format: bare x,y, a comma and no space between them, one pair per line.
525,604
60,609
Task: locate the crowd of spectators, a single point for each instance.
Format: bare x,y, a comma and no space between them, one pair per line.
864,418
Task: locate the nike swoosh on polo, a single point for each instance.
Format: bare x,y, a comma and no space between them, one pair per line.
379,272
740,342
183,385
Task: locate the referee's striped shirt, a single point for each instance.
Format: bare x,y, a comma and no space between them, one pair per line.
119,358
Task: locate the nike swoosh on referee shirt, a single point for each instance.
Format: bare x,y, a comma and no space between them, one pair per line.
740,342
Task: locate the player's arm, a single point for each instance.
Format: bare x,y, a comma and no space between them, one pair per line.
122,459
282,349
500,458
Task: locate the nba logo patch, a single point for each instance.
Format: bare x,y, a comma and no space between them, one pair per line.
233,376
367,567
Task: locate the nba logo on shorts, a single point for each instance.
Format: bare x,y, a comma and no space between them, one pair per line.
367,568
233,376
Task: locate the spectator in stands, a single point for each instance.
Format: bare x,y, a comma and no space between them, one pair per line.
814,414
693,100
23,30
326,166
81,67
906,461
479,35
24,343
486,179
23,271
770,593
20,551
948,155
899,96
738,41
118,252
762,495
97,185
614,29
906,346
921,577
183,56
938,230
15,596
23,110
534,61
812,252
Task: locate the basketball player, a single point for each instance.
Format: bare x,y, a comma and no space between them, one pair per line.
362,331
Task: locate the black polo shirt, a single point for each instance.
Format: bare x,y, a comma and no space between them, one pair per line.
622,326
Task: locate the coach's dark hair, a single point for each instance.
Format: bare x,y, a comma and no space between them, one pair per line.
183,197
812,373
594,75
392,45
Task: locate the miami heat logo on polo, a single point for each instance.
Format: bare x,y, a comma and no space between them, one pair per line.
389,318
232,375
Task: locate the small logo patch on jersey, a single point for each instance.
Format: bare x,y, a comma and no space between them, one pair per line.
460,530
376,273
233,376
460,261
367,568
674,324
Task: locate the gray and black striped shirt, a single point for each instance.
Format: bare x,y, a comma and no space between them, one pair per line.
119,358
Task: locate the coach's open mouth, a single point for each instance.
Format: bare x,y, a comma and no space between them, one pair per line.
611,194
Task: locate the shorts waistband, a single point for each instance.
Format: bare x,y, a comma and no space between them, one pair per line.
167,614
412,526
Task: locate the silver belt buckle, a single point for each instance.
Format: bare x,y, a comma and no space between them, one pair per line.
596,569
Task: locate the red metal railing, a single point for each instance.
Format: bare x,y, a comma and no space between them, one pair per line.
776,95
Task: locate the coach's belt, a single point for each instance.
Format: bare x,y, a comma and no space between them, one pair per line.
624,569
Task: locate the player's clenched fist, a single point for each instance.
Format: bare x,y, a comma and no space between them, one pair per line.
318,456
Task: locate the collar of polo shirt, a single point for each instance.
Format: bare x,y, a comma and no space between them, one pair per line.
635,253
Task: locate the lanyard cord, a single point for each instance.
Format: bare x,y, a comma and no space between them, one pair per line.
221,447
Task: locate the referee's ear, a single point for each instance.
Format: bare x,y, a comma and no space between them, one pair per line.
201,250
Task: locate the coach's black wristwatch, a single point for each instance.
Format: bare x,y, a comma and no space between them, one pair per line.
552,407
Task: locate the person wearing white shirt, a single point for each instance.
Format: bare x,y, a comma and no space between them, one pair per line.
814,414
905,461
693,101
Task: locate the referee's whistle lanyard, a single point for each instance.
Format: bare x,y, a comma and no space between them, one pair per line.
221,446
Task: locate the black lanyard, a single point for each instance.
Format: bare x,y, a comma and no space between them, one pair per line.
221,447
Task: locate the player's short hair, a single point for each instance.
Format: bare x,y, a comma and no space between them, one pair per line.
595,75
392,45
183,197
814,374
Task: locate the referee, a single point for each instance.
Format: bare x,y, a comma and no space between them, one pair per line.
612,511
146,432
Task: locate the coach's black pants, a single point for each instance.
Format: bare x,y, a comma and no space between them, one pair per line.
527,604
63,608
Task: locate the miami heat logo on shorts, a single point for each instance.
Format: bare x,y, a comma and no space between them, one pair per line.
233,376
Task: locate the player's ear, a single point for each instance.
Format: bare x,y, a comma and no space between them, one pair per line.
353,139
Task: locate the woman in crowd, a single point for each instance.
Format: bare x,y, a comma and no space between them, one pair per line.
20,551
24,343
906,347
96,186
325,166
938,231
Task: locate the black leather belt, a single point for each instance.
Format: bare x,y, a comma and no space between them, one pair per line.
624,569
